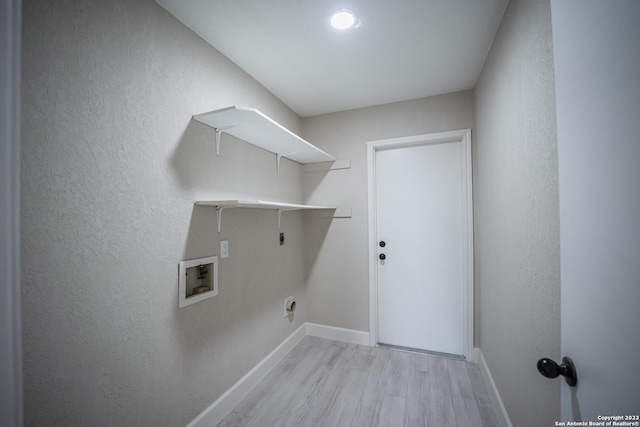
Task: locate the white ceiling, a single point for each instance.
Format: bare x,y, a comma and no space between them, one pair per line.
403,49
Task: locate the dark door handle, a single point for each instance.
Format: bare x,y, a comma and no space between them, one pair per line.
382,243
551,369
382,256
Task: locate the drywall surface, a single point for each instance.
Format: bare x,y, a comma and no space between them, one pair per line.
111,166
516,219
598,156
337,264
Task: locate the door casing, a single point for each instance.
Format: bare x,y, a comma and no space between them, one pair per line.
464,137
11,391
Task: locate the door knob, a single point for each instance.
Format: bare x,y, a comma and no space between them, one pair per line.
382,256
551,369
382,243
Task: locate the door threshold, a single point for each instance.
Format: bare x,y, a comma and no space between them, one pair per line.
420,351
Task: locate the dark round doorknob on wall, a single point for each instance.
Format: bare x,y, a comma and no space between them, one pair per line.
382,244
382,256
551,369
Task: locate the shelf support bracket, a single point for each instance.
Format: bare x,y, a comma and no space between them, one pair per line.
219,132
219,216
280,156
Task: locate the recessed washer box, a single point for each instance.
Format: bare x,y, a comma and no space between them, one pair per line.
197,280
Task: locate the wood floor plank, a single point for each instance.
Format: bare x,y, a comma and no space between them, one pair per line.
420,361
466,411
418,385
362,357
460,381
380,360
370,403
395,374
235,420
343,409
416,412
485,406
441,411
391,411
277,388
368,407
311,402
297,389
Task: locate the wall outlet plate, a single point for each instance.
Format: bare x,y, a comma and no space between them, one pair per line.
224,249
286,301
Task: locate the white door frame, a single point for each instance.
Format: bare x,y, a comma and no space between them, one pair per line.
10,320
464,137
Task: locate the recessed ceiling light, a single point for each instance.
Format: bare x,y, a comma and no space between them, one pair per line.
344,19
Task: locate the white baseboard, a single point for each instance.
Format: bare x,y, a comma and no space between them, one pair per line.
494,395
338,334
222,407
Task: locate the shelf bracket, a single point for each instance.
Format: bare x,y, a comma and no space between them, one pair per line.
219,216
219,132
280,156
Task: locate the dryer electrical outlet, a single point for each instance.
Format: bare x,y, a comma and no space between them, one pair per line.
289,305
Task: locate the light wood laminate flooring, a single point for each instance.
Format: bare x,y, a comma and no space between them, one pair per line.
329,383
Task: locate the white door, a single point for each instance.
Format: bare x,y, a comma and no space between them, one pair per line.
421,226
597,58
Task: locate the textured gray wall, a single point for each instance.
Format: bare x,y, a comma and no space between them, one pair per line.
517,249
337,265
111,166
